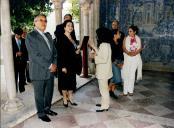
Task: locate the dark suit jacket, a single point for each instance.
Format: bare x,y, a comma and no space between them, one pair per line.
40,56
23,49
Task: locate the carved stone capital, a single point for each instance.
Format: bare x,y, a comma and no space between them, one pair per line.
85,5
57,3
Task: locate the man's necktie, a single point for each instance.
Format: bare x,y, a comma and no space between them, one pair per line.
46,40
19,44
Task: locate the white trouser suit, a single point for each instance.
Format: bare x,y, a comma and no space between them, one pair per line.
130,66
104,72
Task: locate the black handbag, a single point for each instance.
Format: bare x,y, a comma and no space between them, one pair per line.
78,64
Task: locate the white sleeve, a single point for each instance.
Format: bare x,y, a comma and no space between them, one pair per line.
103,53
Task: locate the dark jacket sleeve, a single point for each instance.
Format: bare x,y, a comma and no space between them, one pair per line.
36,56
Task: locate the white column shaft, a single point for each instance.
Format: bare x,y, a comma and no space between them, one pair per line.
58,15
7,49
85,23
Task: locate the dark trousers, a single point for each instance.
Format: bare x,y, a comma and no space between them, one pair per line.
27,73
43,92
20,73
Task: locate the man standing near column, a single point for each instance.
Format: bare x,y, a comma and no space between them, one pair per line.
42,65
20,59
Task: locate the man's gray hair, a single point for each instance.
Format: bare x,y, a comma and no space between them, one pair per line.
40,15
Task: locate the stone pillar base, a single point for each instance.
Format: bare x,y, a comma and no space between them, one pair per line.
12,105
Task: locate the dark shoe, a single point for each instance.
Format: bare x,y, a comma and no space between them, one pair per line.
113,95
51,113
22,90
45,118
73,103
66,105
102,110
98,105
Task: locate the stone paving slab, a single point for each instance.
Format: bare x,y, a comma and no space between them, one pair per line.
10,119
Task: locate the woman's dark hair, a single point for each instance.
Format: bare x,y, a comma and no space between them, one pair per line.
134,28
67,21
103,35
115,31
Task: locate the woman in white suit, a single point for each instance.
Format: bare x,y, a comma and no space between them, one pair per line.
103,63
132,58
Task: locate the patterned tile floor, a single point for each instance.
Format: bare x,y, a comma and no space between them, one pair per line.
152,106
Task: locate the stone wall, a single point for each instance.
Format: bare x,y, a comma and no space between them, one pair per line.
155,20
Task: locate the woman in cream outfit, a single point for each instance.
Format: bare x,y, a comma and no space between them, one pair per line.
102,57
132,58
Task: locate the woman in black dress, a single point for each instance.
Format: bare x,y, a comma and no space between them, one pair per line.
67,64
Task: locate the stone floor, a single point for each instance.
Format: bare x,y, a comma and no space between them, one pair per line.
152,106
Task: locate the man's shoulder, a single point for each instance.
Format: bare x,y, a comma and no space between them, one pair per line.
59,27
33,33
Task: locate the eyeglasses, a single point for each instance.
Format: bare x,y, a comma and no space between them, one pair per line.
42,20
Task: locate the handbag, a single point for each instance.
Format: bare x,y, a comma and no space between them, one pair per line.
78,64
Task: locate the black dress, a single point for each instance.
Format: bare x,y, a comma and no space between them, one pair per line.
67,59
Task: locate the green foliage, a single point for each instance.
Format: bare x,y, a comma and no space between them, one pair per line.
23,11
75,10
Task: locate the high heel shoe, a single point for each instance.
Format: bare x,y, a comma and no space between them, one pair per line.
66,105
98,105
72,103
101,110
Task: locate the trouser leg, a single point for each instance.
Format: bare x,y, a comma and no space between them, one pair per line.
22,77
131,75
27,73
103,87
48,95
16,76
39,90
139,70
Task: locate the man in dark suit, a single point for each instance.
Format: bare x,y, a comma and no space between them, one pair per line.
20,59
42,65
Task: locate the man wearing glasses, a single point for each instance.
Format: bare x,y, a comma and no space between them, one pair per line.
42,65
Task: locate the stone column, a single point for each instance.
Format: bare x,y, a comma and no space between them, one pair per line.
85,6
58,10
13,103
93,25
96,16
91,37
